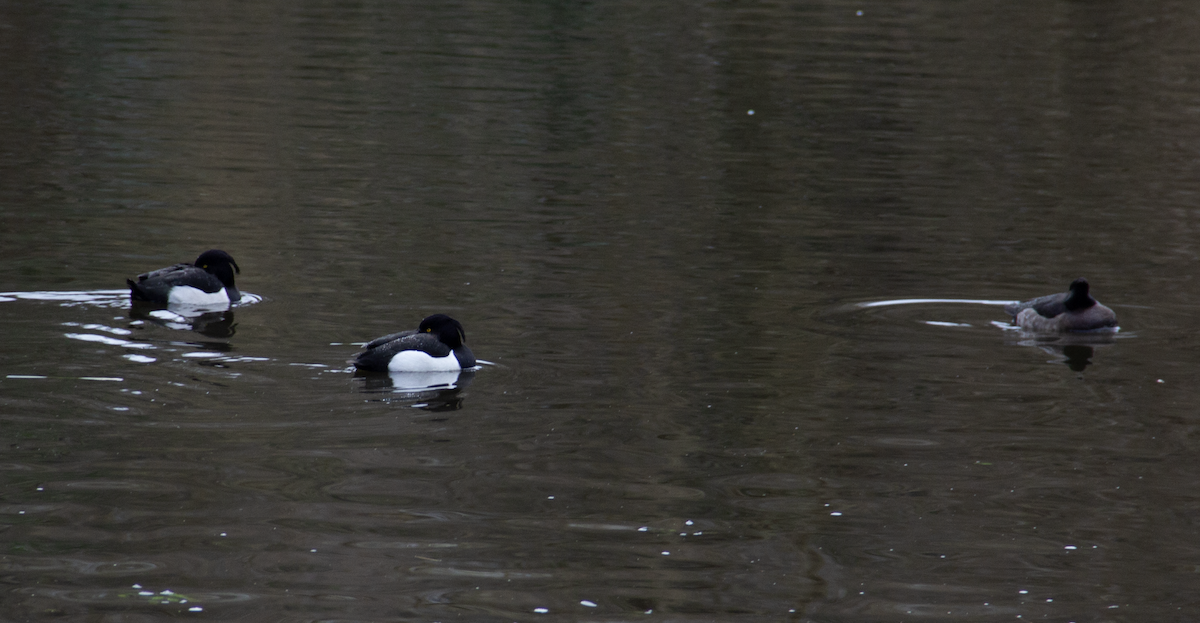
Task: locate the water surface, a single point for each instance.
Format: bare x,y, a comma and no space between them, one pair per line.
675,230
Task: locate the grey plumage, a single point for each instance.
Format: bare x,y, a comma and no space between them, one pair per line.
1073,310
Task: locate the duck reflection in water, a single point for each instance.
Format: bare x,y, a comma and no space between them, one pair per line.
207,321
436,391
1076,351
1077,356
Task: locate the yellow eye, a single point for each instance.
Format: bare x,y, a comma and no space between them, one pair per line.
204,266
429,330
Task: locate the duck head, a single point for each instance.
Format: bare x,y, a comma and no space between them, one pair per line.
448,330
220,265
1079,298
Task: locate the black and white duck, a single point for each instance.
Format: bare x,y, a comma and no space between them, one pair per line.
437,345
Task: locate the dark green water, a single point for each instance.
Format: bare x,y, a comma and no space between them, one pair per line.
655,220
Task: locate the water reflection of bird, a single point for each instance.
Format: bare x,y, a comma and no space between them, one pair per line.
208,281
218,324
435,391
1073,310
1077,356
438,344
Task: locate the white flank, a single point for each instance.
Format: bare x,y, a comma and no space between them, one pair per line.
187,295
417,361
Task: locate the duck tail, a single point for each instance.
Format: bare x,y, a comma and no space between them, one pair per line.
136,292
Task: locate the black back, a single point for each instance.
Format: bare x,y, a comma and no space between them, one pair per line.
213,270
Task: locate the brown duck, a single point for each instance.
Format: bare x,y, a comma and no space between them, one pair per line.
1073,310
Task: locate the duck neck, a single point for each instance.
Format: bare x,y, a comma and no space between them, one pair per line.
1079,299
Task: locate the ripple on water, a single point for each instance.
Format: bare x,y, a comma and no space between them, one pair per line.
99,327
405,545
93,298
930,312
134,595
110,341
903,442
131,486
74,565
891,302
118,299
475,573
